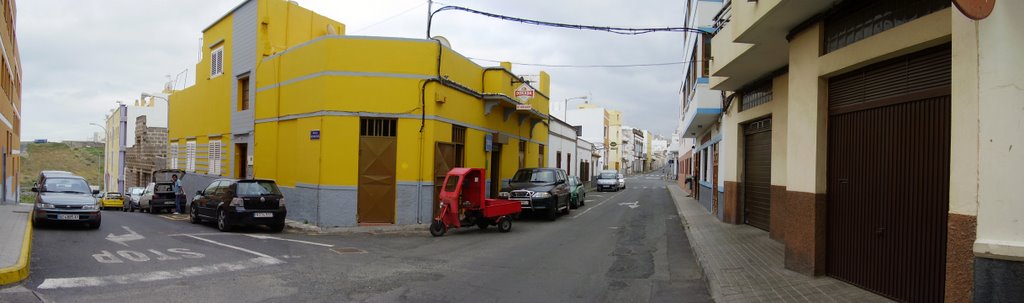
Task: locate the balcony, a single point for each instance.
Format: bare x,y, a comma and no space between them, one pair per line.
703,110
751,41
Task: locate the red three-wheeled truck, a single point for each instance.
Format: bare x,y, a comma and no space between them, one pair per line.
463,204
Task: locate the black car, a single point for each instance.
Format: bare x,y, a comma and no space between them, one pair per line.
540,190
240,202
65,197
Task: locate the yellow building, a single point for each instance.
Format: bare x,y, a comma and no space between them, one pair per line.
10,103
357,130
615,143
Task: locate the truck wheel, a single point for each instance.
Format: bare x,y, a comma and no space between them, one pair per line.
505,225
483,224
437,228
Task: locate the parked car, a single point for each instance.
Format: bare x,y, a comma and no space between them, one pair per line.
65,197
577,191
161,192
131,202
233,203
540,190
622,182
608,180
111,200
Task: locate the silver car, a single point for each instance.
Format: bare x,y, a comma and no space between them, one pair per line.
608,180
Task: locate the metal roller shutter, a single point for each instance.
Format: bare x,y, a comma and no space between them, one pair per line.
757,173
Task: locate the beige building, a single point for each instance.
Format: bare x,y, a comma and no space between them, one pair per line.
874,140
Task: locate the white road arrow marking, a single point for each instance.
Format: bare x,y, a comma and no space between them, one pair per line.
130,236
631,205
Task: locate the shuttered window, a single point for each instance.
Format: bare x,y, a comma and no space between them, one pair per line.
190,156
215,157
217,62
172,153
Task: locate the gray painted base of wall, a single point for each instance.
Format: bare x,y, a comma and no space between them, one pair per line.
998,280
330,206
706,201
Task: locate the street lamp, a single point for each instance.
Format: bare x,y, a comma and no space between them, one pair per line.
103,163
565,107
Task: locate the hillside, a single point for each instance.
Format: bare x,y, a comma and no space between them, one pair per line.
83,161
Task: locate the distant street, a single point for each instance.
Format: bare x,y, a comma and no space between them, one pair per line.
625,246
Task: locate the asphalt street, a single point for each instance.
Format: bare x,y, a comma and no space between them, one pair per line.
626,246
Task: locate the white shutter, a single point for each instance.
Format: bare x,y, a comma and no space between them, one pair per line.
173,155
190,156
217,62
214,152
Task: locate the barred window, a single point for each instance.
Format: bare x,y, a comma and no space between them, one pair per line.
858,20
372,127
757,95
459,140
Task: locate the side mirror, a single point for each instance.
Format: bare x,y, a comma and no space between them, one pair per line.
96,192
35,189
560,182
199,193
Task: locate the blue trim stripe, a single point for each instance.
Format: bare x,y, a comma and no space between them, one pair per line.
717,1
702,80
706,29
705,184
709,111
713,140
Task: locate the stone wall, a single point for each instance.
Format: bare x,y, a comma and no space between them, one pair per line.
147,155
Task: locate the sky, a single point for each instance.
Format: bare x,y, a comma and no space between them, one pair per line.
79,58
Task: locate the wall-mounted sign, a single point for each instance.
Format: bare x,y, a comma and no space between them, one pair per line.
524,93
613,144
975,9
524,107
488,141
314,134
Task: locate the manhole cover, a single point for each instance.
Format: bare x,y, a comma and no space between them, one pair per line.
348,250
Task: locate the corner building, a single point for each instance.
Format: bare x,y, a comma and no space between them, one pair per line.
356,130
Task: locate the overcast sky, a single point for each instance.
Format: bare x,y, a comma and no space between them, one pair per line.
80,57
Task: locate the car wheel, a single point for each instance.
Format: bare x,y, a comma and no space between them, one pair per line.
505,225
568,205
437,228
193,216
222,221
573,204
276,227
94,225
552,212
583,199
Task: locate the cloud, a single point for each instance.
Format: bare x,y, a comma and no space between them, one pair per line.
79,57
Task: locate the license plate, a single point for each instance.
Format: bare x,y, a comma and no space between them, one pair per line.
67,217
525,202
263,215
169,203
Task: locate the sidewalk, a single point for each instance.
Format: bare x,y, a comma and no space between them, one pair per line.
15,242
743,265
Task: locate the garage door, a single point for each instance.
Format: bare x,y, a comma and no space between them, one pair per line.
888,176
757,173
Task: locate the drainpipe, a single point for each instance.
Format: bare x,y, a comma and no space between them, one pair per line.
423,124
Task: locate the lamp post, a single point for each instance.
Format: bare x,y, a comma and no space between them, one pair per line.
565,107
103,163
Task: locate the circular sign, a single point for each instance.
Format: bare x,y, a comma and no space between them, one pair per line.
975,9
613,144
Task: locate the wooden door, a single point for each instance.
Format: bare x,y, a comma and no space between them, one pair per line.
377,156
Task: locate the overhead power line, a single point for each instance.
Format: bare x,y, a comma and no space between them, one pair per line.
610,29
590,65
389,18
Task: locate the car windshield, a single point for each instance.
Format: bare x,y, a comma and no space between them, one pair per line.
608,176
257,188
66,185
137,190
536,176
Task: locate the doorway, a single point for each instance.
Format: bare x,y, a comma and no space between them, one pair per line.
378,149
241,159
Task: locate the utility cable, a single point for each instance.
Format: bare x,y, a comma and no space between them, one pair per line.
389,18
610,29
589,65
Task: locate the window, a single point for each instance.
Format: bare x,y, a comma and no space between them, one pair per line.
540,156
369,127
558,159
190,156
761,93
215,158
172,153
243,93
217,62
705,54
853,21
568,163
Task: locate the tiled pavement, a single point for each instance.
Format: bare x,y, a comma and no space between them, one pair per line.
13,222
743,265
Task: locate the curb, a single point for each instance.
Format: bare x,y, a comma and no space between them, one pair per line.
678,197
19,271
387,229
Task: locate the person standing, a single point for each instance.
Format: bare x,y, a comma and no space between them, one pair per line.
179,194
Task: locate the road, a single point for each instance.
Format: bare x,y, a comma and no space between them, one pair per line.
625,246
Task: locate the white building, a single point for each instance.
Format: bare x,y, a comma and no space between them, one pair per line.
593,122
562,147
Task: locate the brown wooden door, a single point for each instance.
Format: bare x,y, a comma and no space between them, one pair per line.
714,179
444,161
888,176
757,173
377,181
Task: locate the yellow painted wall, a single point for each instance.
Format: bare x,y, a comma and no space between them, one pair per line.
205,107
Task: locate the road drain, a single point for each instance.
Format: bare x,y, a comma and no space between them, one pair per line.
348,250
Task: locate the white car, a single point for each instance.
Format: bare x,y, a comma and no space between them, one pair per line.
622,182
